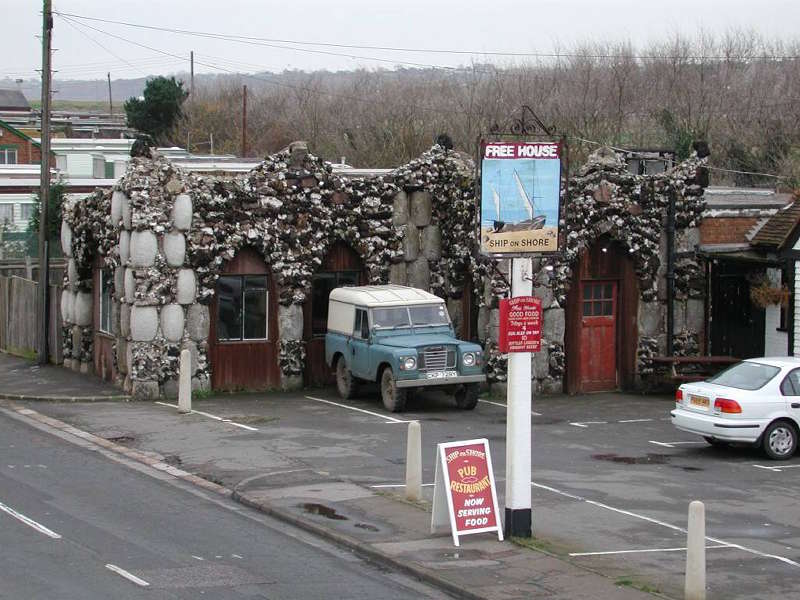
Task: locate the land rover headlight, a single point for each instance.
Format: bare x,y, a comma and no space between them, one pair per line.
468,359
409,363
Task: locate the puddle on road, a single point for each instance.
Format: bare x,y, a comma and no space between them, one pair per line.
648,459
685,468
366,526
121,439
322,510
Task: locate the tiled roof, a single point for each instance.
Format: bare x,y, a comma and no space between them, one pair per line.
775,231
13,99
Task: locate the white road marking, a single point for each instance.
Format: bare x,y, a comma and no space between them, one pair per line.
664,524
361,410
644,550
533,412
580,425
641,551
197,557
635,421
29,522
210,416
586,424
129,576
396,485
235,556
777,469
672,444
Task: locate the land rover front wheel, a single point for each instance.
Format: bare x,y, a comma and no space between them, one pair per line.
394,399
467,396
345,382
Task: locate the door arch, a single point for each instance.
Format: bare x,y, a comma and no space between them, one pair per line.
342,266
601,325
243,337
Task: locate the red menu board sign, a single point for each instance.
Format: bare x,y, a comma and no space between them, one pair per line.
464,492
520,324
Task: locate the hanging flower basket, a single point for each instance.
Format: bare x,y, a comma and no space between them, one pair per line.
764,295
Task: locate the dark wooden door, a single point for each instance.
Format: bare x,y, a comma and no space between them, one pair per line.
252,361
598,336
341,267
737,325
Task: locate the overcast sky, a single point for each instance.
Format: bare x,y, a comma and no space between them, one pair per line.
469,25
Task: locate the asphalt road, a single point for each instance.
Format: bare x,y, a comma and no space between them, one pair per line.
612,479
75,525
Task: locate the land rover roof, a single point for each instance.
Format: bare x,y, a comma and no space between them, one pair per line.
383,295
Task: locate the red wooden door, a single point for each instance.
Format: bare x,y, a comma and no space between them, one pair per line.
598,336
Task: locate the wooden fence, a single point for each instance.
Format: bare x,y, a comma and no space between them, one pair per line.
18,318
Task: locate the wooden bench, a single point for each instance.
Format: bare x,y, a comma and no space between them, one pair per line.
699,367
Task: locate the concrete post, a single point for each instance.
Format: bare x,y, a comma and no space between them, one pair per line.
185,383
414,462
518,422
695,588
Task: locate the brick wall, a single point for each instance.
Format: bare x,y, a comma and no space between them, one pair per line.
726,230
27,152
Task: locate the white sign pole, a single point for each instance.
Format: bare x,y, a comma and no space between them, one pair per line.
518,420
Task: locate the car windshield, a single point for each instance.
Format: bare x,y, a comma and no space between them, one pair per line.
387,318
429,314
745,376
421,315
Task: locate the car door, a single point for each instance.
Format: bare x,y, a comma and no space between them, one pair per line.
359,345
790,388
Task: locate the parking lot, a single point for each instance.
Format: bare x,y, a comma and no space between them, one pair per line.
611,480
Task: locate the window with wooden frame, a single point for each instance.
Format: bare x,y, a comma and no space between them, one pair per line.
242,302
321,286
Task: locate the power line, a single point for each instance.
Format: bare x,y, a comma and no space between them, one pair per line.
434,50
75,27
269,81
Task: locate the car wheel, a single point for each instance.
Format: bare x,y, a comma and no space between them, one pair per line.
714,441
394,399
780,440
467,396
345,382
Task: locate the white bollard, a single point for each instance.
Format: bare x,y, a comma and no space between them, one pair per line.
414,462
695,588
185,383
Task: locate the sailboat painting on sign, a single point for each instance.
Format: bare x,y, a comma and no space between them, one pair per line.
520,194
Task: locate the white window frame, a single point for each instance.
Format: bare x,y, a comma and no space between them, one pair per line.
109,302
6,152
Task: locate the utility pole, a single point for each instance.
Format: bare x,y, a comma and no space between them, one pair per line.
110,105
244,121
191,100
44,189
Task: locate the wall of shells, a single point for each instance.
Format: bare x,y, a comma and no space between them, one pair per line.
166,234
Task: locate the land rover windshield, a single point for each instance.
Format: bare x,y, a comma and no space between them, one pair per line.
421,315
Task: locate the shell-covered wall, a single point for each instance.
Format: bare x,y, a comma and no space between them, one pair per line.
166,234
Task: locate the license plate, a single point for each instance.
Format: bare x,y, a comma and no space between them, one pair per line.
699,401
440,374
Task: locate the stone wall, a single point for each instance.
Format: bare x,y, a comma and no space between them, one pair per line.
604,199
167,235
